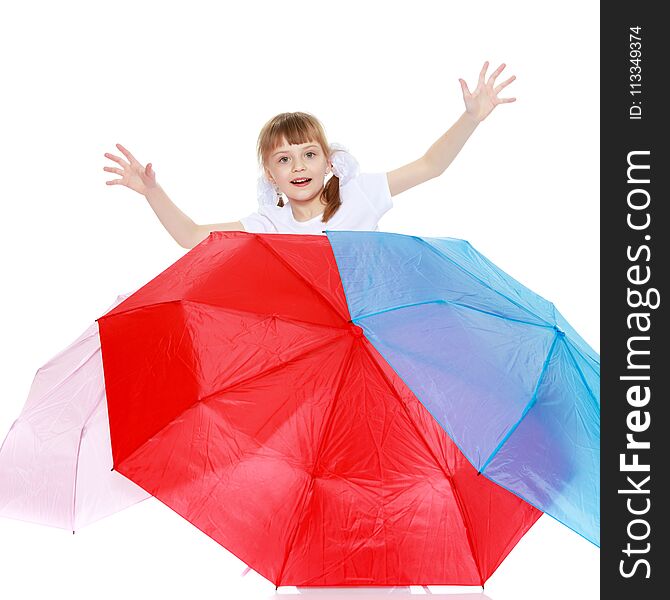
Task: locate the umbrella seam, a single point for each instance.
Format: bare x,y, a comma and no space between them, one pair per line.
309,350
581,376
531,403
221,308
451,260
420,435
326,430
107,316
64,380
443,301
310,286
70,403
585,356
10,431
76,467
74,485
467,525
248,312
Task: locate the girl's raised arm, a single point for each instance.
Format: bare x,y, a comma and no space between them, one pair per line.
143,181
478,105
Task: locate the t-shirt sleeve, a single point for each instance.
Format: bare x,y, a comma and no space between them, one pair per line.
375,187
257,223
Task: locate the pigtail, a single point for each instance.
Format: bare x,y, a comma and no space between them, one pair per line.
331,194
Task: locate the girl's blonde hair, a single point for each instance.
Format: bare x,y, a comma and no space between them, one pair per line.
299,128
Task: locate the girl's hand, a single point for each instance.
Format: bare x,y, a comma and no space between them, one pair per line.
133,174
484,99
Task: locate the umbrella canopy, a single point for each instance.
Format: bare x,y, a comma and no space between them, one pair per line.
55,463
242,395
511,382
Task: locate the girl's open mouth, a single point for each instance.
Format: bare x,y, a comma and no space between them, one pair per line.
301,182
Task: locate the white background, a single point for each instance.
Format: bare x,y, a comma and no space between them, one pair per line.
188,89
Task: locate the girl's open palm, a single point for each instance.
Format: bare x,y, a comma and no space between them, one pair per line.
484,99
133,174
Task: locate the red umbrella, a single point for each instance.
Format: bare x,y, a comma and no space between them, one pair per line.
242,396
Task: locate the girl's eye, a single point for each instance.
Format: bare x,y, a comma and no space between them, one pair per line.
283,159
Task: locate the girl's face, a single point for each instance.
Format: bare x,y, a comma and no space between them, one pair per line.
298,170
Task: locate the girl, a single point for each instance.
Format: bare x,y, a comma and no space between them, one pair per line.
68,399
296,160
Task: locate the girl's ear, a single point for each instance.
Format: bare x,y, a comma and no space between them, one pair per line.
268,175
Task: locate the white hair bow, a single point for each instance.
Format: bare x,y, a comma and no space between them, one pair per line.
345,168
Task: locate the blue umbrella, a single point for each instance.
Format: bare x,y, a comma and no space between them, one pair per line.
498,367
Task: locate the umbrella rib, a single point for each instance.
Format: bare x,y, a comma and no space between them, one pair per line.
486,285
241,311
585,356
420,435
129,310
466,524
76,467
72,401
288,265
217,306
581,376
17,420
273,368
62,380
459,304
326,430
531,403
74,485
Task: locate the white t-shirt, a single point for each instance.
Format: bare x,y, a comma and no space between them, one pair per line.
365,198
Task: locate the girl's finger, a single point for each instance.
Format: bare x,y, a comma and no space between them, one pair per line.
482,74
117,159
495,74
113,181
507,99
127,154
504,84
113,170
464,87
